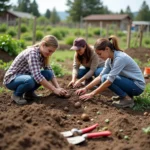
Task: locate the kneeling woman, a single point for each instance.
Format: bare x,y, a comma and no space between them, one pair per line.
25,75
120,74
86,63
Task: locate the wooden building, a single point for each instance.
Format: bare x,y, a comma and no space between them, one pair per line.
120,20
10,17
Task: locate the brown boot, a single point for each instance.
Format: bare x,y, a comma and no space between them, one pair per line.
123,103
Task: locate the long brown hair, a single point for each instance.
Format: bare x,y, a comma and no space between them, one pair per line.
48,40
111,42
86,55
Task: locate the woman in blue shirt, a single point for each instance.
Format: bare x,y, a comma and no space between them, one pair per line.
120,74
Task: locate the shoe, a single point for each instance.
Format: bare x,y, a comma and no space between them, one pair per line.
31,96
115,98
19,100
123,103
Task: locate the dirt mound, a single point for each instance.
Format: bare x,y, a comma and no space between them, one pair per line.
37,126
142,54
31,127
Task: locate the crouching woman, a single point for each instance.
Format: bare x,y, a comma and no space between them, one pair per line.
121,74
25,75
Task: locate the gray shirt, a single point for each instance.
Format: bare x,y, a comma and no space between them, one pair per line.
123,65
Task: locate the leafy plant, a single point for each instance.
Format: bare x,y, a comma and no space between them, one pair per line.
146,130
143,101
10,45
57,69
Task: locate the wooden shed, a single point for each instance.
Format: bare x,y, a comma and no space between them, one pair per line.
10,16
120,20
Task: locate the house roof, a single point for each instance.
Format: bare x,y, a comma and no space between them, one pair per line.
141,22
21,14
106,17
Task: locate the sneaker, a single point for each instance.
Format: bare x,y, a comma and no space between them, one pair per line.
31,96
19,99
123,103
115,98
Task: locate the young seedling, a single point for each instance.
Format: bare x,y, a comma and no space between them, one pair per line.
107,120
126,137
146,130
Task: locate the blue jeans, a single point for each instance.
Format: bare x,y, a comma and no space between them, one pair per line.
123,86
26,83
83,70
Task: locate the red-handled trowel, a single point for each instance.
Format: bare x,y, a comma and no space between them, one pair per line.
81,131
79,139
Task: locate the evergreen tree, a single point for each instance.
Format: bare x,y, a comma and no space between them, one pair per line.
4,5
54,17
34,9
144,13
82,8
23,5
48,14
121,11
128,11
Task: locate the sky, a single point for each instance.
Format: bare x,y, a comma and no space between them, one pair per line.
113,5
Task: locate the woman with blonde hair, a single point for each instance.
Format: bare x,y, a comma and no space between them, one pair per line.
25,75
121,74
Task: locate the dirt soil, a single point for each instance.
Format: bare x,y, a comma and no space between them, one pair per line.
37,126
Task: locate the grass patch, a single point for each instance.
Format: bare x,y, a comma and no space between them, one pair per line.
142,102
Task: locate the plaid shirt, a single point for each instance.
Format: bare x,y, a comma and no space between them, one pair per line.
30,62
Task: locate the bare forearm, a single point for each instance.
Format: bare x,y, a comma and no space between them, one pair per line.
47,85
101,88
55,83
93,83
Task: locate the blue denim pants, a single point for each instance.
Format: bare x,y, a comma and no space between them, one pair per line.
123,86
83,70
26,83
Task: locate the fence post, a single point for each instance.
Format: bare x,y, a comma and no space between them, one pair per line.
86,31
19,28
34,31
141,35
128,35
107,30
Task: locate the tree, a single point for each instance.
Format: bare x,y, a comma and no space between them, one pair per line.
48,14
34,9
23,5
54,17
128,11
144,13
4,5
121,11
82,8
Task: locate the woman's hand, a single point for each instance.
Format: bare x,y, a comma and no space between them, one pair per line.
71,83
77,84
86,97
60,91
81,91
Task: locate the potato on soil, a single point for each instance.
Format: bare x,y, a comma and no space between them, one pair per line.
85,117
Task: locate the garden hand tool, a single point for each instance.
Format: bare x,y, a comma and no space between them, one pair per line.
81,131
79,139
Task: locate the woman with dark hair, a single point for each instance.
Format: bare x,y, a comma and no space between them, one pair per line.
86,63
120,74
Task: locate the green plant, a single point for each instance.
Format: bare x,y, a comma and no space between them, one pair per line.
146,130
23,28
4,65
10,45
11,32
56,33
39,35
69,40
3,27
57,69
142,102
27,36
